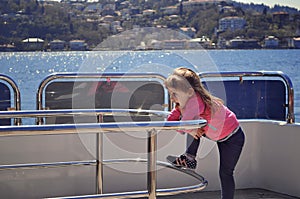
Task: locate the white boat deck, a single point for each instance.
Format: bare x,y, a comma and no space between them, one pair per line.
56,156
240,194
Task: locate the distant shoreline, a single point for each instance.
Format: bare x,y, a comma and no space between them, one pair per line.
209,49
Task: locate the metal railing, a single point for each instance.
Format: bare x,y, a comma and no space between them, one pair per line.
99,128
290,118
17,95
80,76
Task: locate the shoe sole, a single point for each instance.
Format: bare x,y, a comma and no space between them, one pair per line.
171,160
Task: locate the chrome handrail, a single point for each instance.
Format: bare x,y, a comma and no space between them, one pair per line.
80,112
290,118
17,95
160,192
88,128
100,128
47,165
55,76
145,193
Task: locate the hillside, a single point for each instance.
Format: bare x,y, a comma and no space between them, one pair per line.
93,22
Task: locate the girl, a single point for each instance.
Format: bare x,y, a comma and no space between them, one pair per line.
193,101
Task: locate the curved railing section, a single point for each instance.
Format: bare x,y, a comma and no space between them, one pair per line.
99,128
159,192
78,76
107,90
17,96
290,117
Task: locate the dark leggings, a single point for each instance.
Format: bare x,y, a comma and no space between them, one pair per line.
229,151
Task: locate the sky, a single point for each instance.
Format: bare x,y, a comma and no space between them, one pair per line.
271,3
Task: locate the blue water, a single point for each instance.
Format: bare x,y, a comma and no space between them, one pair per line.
28,69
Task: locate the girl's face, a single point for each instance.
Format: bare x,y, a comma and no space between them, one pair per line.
180,97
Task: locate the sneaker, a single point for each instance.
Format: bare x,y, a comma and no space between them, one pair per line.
182,162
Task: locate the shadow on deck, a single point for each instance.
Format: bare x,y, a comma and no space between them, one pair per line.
239,194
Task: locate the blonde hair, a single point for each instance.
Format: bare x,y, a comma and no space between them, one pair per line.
185,78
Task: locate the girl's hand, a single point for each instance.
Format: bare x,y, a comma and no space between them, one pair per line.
200,132
177,106
197,133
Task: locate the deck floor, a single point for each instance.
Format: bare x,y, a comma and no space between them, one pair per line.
240,194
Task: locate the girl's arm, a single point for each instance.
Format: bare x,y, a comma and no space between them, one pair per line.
175,114
194,108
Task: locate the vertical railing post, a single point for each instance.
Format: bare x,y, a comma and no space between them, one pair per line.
152,137
99,148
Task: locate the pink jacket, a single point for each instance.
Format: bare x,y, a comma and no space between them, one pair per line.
218,127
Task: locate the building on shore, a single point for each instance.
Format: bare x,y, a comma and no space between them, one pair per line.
189,31
57,45
77,45
7,48
239,43
194,3
203,41
33,44
271,42
296,42
232,23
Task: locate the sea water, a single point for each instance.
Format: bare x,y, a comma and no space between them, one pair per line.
29,69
